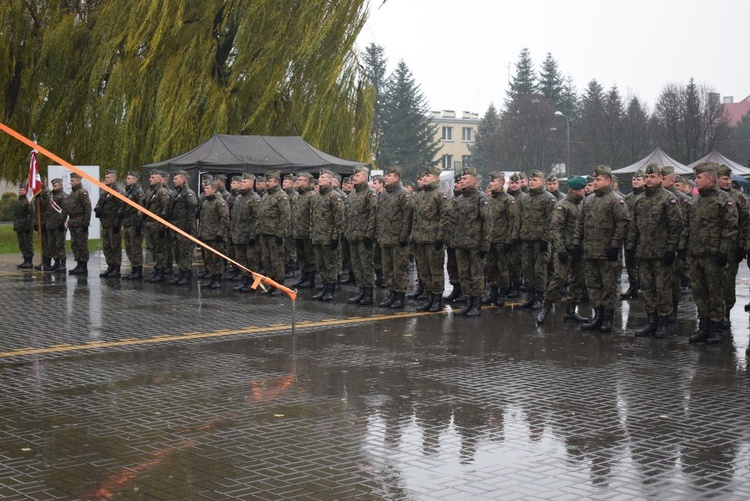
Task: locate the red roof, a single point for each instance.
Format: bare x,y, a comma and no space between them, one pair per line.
737,110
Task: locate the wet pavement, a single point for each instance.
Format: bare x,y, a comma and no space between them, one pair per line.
120,390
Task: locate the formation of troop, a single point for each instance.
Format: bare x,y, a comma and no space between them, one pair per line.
524,241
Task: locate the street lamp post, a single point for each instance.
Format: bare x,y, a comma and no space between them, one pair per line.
567,127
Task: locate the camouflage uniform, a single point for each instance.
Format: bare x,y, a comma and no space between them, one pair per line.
132,223
562,230
78,206
24,219
631,263
741,246
244,228
157,201
301,209
327,218
183,205
54,225
472,239
515,267
108,210
273,226
290,245
360,232
431,224
451,265
535,211
214,231
681,276
394,219
505,226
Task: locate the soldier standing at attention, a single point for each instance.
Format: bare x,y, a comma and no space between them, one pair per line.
600,232
78,207
157,201
169,236
301,210
360,232
109,212
132,224
682,268
514,259
505,226
451,265
54,221
213,231
327,218
273,226
290,249
553,187
653,236
430,227
631,263
536,211
24,214
181,212
472,240
394,220
378,184
709,238
567,265
260,185
243,224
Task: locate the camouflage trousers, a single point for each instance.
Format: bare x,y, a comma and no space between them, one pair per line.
112,245
346,254
272,257
247,256
631,266
79,242
182,248
534,265
451,265
395,261
26,244
601,275
362,263
430,267
730,283
213,263
55,244
708,288
290,251
326,263
656,286
305,254
377,257
496,268
156,237
133,236
470,271
571,272
515,267
681,275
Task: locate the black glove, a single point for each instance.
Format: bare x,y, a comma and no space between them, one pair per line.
515,242
115,230
251,241
630,255
279,241
334,244
577,251
563,257
438,245
482,254
721,260
682,254
613,253
97,212
403,244
668,258
543,246
138,230
739,254
368,242
507,247
61,227
219,239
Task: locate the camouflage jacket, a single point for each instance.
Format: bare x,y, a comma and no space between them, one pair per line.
432,215
156,200
182,208
505,218
631,197
53,209
363,205
275,213
563,223
78,207
108,207
743,218
711,225
214,218
602,223
394,215
244,217
130,215
301,209
473,220
292,193
24,215
327,216
536,210
655,224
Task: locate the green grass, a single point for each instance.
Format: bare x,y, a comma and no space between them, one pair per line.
9,242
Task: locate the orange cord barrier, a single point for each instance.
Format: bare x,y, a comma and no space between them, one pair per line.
257,277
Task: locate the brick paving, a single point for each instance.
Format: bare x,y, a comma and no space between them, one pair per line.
413,408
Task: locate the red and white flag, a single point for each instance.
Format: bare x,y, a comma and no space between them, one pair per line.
34,183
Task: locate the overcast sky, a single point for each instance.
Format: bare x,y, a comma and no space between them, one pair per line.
459,51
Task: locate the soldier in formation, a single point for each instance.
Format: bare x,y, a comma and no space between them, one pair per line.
360,233
273,224
327,217
156,200
109,212
505,226
181,213
214,231
24,219
132,227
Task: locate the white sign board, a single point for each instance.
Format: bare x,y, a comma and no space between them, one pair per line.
58,171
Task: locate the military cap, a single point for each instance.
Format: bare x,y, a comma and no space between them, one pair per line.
377,178
75,175
273,174
394,169
515,177
362,168
432,169
577,183
496,174
456,178
705,167
724,170
57,180
590,179
305,175
213,183
421,173
337,176
522,175
110,171
639,173
614,178
325,171
653,168
679,179
347,179
179,173
248,175
552,178
21,185
260,179
237,177
667,170
290,177
408,184
602,170
220,177
537,173
471,171
207,177
134,173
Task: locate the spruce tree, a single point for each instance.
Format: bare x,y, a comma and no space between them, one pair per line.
482,148
524,81
375,64
550,81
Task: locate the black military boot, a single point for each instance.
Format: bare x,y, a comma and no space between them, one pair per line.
632,291
367,299
137,273
727,321
673,317
437,303
310,283
302,280
177,278
185,278
426,305
661,328
322,292
513,292
456,293
417,292
388,302
398,301
350,279
169,270
702,333
157,276
115,273
380,279
61,268
500,301
329,290
356,299
714,332
530,299
595,322
81,268
469,303
74,270
650,327
607,318
572,316
538,300
203,273
45,265
542,315
106,272
491,298
208,283
54,265
476,307
217,281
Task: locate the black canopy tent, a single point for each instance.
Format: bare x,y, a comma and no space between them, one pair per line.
228,154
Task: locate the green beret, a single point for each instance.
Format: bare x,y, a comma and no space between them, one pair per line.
602,170
652,168
432,169
337,176
213,183
590,179
156,172
724,170
496,174
273,174
679,179
471,171
537,173
408,184
577,183
207,177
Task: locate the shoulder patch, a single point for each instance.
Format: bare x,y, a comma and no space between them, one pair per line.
673,201
622,202
559,207
408,196
513,202
730,203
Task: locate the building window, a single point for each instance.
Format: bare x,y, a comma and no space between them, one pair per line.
447,162
447,133
467,134
466,160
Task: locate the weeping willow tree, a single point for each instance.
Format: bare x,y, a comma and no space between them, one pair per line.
120,84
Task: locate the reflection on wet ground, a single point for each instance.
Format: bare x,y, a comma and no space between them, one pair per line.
427,407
